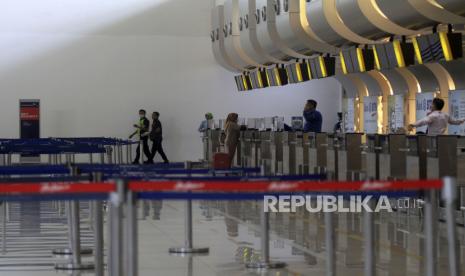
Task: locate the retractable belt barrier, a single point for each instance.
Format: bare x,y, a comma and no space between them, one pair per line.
123,195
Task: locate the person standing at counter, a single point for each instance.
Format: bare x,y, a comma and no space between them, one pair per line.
204,125
232,131
436,120
313,118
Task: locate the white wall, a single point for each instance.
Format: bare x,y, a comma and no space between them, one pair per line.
93,64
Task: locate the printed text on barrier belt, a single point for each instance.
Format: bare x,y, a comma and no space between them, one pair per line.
287,186
18,189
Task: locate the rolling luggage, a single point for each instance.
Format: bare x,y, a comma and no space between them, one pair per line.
221,161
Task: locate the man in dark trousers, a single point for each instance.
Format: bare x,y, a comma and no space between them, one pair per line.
142,130
156,135
313,118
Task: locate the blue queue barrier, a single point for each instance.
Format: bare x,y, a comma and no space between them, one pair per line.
113,169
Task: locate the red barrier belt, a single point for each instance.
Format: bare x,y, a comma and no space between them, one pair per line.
56,188
285,186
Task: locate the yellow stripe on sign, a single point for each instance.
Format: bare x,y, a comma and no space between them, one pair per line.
377,64
398,53
323,67
361,61
309,70
446,46
259,77
416,47
299,72
343,63
278,78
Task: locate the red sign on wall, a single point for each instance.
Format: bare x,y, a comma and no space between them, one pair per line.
30,113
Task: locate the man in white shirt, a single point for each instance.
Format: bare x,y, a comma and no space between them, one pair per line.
436,120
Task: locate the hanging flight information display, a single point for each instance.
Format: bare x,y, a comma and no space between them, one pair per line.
423,105
370,114
457,111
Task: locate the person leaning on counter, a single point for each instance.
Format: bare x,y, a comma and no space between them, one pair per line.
436,120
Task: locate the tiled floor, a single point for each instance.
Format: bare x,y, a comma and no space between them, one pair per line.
231,231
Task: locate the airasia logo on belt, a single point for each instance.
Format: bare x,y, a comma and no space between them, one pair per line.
188,186
375,185
54,188
282,186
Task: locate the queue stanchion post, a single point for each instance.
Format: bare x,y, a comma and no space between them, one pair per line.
131,234
130,153
97,211
430,221
189,239
329,241
115,255
265,262
4,211
449,195
75,251
109,153
369,241
128,146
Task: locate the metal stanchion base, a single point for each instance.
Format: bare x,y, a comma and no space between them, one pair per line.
74,267
67,251
266,265
183,250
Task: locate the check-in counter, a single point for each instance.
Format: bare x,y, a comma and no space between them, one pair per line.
301,153
398,156
289,142
277,153
444,154
246,141
416,157
266,158
350,158
332,155
376,149
211,140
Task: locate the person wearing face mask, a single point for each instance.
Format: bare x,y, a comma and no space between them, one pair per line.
204,126
142,130
436,120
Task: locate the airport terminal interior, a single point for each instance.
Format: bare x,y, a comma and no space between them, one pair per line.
232,137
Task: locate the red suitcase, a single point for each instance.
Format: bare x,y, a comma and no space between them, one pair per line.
221,161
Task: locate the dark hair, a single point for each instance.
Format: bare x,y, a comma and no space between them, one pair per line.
142,111
156,113
312,102
438,103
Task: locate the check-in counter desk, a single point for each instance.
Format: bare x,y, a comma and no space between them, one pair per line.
416,165
277,153
266,158
250,140
318,155
446,158
246,148
289,142
305,159
386,156
332,155
350,158
211,140
376,149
